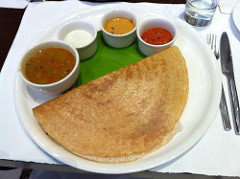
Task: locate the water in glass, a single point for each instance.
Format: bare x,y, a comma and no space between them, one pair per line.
200,12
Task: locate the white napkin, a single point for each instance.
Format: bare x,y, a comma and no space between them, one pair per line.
227,6
16,4
217,153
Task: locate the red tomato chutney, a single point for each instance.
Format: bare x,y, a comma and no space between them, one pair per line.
49,65
157,36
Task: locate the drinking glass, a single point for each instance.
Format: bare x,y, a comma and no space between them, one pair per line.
200,12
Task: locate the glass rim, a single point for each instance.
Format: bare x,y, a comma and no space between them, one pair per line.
212,7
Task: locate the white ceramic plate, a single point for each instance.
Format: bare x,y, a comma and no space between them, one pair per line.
236,16
202,104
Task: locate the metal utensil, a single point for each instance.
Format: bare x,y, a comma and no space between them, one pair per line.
227,68
212,42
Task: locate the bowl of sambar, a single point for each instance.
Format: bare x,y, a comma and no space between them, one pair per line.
50,67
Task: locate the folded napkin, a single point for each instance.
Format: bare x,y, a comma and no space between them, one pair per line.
227,6
217,153
16,4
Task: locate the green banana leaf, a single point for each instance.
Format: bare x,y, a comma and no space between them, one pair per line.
106,60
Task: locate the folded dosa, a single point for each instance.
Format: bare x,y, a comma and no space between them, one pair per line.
123,115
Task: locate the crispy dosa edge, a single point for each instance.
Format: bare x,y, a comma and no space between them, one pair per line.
134,157
65,122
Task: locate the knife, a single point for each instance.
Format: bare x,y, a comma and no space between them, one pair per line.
224,112
227,69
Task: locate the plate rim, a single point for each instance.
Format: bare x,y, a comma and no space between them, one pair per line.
236,11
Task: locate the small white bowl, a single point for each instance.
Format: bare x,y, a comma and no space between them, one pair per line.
149,49
82,35
56,87
119,40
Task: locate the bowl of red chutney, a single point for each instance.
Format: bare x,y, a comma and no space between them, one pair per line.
155,35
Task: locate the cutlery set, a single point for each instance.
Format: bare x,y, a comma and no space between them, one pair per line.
227,70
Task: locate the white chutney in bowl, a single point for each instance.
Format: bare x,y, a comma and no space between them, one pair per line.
82,35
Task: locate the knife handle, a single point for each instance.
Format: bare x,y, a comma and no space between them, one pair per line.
224,112
235,104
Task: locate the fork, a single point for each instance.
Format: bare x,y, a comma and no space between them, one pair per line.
212,42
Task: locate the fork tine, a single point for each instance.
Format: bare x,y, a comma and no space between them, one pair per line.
216,50
208,39
215,44
212,41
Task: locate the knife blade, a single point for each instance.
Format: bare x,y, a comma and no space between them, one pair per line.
227,69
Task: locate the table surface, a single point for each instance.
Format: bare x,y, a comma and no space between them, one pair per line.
222,145
11,19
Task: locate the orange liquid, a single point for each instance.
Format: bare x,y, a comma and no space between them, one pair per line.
49,65
119,25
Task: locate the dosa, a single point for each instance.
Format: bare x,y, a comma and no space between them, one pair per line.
123,115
